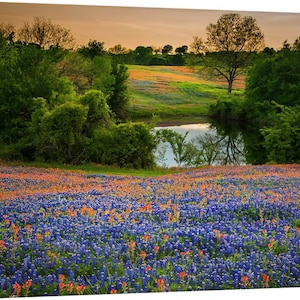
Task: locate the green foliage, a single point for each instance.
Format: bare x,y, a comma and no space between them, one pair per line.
61,136
184,152
275,78
78,69
271,103
231,109
99,114
26,72
143,55
129,145
92,49
282,139
118,100
102,78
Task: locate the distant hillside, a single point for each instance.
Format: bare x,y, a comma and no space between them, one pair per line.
175,93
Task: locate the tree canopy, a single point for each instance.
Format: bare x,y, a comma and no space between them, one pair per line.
45,34
229,46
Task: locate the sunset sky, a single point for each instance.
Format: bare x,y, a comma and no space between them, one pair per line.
132,27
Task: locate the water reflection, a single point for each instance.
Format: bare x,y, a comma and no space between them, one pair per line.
214,147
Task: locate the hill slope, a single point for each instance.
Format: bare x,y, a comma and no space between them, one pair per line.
175,93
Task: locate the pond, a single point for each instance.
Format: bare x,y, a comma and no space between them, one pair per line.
219,148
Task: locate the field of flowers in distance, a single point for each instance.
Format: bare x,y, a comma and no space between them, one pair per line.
68,233
174,92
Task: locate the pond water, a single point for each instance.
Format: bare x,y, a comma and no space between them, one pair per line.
194,130
218,147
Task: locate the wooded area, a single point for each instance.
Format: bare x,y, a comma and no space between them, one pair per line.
71,104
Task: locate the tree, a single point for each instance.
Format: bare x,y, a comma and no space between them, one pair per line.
78,69
61,134
45,34
26,72
296,45
230,46
99,114
118,100
209,149
117,50
157,50
93,49
184,152
7,31
275,78
282,138
181,50
197,46
128,145
143,55
167,49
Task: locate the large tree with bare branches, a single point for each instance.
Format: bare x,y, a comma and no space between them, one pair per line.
45,34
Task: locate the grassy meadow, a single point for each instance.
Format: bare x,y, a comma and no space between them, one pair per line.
174,93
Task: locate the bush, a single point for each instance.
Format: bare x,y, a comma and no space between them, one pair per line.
127,145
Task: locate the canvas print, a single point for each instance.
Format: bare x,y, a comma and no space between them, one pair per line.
148,150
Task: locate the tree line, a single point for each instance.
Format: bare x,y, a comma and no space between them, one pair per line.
63,104
270,109
66,104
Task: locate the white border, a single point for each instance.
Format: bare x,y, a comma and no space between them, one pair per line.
238,5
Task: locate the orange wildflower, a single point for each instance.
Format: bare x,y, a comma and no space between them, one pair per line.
265,279
2,245
271,243
286,228
182,275
147,237
143,255
15,230
61,285
39,237
131,246
79,289
27,284
161,285
148,268
61,277
166,237
245,280
17,289
156,249
70,287
113,291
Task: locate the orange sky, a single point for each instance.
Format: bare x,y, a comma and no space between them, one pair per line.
132,27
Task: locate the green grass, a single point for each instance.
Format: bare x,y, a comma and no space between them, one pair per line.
173,93
100,169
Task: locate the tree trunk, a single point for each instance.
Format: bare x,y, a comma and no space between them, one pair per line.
230,82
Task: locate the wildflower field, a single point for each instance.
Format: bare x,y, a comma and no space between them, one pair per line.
66,233
172,91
